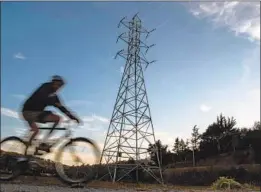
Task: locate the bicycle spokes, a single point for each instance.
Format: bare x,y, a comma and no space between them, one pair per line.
77,158
78,154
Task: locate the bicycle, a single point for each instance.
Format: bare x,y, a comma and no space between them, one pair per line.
20,164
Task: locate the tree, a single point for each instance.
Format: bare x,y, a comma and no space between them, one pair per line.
187,144
195,138
162,152
218,136
257,125
181,149
176,148
195,141
226,125
182,145
220,128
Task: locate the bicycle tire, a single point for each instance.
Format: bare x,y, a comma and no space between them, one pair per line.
18,167
60,167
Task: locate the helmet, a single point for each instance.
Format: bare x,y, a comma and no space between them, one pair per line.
58,78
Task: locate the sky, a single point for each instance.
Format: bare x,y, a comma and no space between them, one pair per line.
208,62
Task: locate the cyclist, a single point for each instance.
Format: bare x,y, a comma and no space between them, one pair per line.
33,109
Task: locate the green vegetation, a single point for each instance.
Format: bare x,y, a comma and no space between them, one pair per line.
226,183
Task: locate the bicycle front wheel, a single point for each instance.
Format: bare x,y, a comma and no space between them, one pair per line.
12,149
84,167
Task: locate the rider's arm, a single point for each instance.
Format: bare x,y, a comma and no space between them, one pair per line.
57,103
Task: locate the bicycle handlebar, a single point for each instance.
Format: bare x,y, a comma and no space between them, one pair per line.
69,123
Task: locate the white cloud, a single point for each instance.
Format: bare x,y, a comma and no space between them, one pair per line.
19,96
9,113
19,56
250,64
243,18
102,119
21,131
90,122
93,118
74,103
93,122
204,108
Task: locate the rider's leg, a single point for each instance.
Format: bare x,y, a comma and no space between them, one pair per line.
47,117
35,130
31,118
51,118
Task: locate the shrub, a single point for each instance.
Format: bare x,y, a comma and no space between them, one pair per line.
199,176
226,183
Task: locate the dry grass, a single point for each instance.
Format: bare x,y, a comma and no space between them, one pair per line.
139,186
250,167
43,181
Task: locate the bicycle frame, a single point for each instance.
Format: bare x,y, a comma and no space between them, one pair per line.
67,129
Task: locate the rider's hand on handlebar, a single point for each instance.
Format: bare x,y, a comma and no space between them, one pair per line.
80,122
77,120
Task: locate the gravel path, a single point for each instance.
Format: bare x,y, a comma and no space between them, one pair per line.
33,188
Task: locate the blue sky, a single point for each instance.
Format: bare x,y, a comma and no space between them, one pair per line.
208,61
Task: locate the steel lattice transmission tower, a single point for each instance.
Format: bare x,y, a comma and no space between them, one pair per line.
131,130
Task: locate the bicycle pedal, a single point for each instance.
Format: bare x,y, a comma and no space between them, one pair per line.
39,153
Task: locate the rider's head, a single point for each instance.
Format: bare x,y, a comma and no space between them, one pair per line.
57,82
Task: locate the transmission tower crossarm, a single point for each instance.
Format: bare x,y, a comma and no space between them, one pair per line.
120,37
148,32
121,21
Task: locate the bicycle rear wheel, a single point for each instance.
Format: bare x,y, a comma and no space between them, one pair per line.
12,162
87,170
